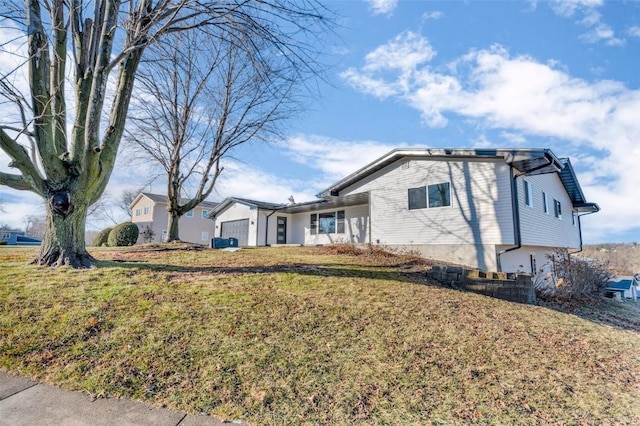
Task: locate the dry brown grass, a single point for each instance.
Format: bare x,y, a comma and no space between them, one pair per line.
309,336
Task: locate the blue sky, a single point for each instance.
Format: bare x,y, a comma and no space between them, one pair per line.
553,74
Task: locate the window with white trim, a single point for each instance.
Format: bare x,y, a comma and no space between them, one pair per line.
189,213
545,202
431,196
138,212
313,224
557,209
147,210
327,223
528,193
204,214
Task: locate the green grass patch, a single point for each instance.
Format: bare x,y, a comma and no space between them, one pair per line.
309,336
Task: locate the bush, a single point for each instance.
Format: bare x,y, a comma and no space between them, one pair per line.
124,234
102,237
573,277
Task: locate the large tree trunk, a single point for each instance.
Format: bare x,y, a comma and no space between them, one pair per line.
63,242
173,231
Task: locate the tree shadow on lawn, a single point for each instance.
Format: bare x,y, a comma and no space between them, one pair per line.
403,272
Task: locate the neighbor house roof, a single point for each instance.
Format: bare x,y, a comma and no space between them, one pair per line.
530,161
163,199
620,283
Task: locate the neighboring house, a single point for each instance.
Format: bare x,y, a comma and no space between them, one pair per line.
493,209
627,287
9,237
150,210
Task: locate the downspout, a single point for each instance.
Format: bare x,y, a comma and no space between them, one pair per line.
266,228
580,232
515,207
515,202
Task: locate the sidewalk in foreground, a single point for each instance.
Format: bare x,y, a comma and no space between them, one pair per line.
25,402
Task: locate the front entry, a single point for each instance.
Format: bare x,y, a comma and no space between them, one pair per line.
281,230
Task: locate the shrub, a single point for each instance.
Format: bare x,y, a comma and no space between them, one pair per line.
124,234
573,277
102,237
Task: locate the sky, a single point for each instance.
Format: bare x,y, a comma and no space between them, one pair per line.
551,74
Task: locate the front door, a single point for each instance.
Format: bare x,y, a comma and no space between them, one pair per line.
281,230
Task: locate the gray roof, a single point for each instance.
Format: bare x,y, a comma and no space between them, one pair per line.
163,199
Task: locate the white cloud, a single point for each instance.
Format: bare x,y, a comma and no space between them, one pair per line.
521,96
633,31
334,158
568,8
596,30
436,14
382,7
238,180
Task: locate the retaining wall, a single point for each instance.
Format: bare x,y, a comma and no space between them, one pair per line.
502,285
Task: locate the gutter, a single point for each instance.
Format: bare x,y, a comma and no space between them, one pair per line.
580,232
515,203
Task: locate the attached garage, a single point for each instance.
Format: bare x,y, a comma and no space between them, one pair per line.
238,229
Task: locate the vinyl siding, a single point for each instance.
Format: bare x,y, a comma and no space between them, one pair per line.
539,228
191,228
480,211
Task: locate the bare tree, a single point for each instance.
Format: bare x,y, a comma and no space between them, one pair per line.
34,226
126,198
198,100
104,41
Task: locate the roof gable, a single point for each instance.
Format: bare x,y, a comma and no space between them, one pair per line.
163,199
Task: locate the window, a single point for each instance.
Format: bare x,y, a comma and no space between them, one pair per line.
418,198
313,226
545,203
204,213
189,213
528,193
205,236
137,212
436,195
573,219
147,210
327,223
340,223
557,209
439,195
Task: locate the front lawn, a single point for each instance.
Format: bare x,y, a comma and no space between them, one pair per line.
308,336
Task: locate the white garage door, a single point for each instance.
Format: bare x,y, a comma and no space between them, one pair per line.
236,229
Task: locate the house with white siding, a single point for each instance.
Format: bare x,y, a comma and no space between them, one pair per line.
149,211
493,209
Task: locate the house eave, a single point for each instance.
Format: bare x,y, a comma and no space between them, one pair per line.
526,161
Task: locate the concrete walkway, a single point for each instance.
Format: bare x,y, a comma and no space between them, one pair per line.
25,402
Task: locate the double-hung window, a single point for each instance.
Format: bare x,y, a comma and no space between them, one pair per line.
436,195
528,193
557,209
